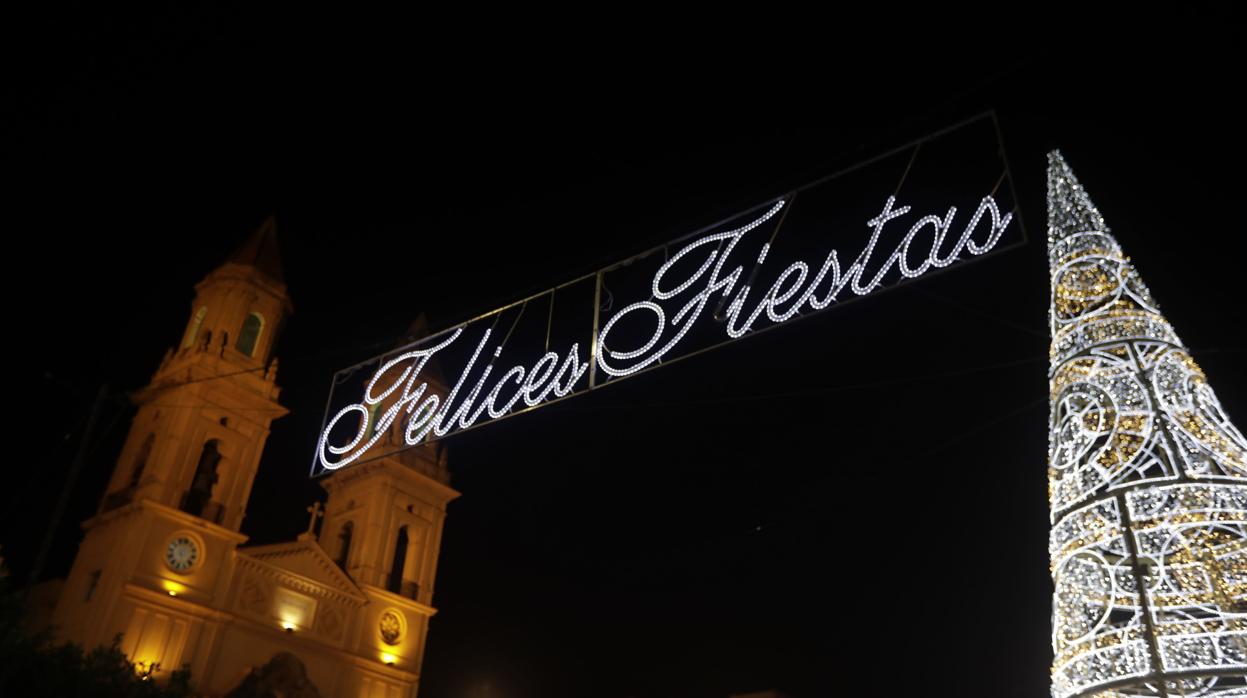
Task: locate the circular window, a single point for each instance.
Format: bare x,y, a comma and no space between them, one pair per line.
182,553
391,627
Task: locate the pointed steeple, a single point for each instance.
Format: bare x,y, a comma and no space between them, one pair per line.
1147,482
260,251
238,310
418,329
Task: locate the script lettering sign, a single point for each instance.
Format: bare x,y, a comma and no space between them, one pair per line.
828,242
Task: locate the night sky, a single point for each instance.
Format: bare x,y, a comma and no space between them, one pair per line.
838,507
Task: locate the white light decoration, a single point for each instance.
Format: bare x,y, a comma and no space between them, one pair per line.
1147,483
718,283
397,389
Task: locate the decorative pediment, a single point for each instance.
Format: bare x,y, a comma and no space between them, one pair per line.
303,564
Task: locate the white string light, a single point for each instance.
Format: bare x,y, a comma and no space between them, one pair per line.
717,283
495,413
535,379
1157,593
775,297
558,375
411,395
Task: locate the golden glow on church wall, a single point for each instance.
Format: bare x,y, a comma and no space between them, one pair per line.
163,562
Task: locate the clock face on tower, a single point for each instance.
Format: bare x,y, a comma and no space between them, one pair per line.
182,553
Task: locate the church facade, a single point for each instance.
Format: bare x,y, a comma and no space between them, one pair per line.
163,562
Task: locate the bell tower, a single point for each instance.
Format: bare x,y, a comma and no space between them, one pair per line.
383,526
169,520
203,420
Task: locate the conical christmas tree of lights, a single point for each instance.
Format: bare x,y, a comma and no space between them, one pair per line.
1147,480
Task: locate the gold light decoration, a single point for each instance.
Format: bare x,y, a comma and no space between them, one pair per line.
1147,483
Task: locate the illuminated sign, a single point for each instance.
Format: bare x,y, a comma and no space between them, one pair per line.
714,286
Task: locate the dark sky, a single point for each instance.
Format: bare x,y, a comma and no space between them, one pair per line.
837,507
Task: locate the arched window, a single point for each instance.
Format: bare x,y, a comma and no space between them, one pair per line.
140,461
250,335
395,582
200,492
196,323
374,415
344,543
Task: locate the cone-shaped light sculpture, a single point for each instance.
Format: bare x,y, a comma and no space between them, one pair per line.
1147,480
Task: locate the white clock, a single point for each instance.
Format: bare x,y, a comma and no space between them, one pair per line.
182,554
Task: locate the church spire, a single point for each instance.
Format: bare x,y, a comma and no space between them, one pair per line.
260,251
1147,481
238,308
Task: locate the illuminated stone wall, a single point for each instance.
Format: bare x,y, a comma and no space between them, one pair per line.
172,579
